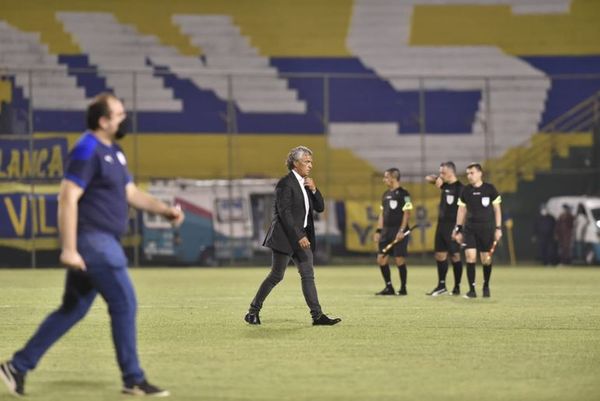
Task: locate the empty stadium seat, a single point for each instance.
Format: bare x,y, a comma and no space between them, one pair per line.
49,83
379,35
112,47
256,88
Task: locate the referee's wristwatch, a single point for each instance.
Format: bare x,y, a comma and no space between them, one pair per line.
499,228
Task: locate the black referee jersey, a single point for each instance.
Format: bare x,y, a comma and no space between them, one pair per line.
394,203
449,201
479,202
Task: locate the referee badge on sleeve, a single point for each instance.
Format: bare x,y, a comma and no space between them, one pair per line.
393,203
485,201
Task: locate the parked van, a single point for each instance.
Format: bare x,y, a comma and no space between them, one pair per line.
586,232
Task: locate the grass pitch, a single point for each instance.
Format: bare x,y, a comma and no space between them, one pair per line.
537,338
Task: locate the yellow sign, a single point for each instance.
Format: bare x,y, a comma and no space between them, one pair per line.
361,221
28,215
43,160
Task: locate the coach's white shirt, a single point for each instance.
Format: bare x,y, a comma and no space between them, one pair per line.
306,204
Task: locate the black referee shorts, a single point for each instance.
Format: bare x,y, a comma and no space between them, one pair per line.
387,236
443,238
479,236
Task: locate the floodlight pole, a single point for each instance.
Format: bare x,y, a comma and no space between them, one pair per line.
134,128
326,129
31,196
231,128
422,130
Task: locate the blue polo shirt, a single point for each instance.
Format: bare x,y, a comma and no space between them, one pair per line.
102,173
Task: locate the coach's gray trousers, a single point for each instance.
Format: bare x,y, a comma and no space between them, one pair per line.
304,261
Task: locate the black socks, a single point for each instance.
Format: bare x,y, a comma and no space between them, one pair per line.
385,272
457,267
471,275
487,272
403,274
442,268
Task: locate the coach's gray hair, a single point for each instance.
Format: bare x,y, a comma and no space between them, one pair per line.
295,154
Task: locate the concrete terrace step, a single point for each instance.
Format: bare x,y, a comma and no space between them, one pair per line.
114,45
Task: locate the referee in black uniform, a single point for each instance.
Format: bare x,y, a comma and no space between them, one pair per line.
391,225
445,246
478,225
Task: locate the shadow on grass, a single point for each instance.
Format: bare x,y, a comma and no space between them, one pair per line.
276,327
85,385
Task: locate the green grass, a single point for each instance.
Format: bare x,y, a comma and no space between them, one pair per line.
537,338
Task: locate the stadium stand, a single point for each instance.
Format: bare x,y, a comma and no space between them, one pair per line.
573,81
520,28
510,83
524,162
5,91
115,48
20,50
227,51
379,35
285,48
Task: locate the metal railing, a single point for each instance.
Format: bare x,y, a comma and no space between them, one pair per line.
581,118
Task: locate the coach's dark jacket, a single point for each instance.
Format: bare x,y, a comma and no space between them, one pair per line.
288,216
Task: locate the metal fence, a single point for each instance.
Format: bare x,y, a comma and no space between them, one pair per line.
234,126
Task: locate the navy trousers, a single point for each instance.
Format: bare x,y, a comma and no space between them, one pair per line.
107,275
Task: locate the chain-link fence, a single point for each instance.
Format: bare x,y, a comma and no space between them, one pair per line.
217,142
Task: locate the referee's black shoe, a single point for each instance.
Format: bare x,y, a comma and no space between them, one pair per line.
402,291
437,291
456,290
388,290
252,318
486,292
14,380
470,294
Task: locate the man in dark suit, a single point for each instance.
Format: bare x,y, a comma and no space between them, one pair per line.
292,235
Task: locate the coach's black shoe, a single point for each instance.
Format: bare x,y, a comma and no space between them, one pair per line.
486,292
388,290
456,290
252,318
437,291
402,291
145,388
323,320
15,381
470,294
